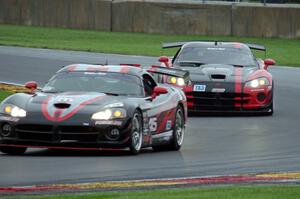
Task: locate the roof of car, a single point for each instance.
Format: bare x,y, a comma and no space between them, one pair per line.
217,45
132,70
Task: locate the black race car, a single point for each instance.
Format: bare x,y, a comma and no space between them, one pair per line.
224,77
91,107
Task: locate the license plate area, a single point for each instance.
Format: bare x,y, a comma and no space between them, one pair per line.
218,90
199,88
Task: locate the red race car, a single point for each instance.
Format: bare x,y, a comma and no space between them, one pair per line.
224,77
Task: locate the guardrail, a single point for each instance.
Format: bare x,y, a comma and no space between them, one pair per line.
156,16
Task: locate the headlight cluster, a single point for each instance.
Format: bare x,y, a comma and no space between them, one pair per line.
14,111
176,80
258,82
108,114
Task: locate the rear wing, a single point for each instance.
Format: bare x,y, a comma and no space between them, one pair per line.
175,44
252,46
168,75
169,71
256,46
160,70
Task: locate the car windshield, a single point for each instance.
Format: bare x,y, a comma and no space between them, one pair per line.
103,82
214,55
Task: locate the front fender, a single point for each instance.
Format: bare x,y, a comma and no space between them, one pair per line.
18,99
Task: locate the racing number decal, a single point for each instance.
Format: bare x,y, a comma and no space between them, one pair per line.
153,124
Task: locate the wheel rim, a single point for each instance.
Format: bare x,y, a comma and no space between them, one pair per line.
179,127
136,133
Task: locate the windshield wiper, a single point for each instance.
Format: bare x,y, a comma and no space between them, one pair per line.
113,94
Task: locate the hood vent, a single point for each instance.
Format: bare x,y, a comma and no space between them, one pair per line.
62,105
218,76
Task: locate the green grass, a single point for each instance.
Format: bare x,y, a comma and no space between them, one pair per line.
3,95
284,51
258,192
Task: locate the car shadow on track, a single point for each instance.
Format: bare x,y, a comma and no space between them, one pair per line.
220,114
79,153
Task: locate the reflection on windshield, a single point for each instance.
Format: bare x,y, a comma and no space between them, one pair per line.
232,56
110,83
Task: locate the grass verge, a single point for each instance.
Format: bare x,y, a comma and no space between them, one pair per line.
4,94
257,192
284,51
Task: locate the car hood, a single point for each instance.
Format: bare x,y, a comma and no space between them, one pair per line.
62,106
219,73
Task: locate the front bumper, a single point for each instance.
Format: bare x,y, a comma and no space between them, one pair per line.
249,101
66,135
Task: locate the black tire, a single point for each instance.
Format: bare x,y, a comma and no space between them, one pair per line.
13,150
178,130
136,139
178,133
270,110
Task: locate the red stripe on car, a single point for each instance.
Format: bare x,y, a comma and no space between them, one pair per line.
168,116
125,69
72,68
76,109
238,84
57,112
45,111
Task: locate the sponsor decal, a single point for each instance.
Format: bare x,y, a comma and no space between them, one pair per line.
108,122
199,87
65,100
169,125
117,104
218,90
11,119
215,48
153,124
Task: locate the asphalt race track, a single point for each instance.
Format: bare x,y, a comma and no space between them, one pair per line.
212,146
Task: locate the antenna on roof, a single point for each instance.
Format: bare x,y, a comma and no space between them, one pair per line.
106,61
216,43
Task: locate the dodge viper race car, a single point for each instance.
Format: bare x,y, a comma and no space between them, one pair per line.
224,77
92,107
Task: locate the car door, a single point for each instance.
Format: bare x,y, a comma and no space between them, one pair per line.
162,108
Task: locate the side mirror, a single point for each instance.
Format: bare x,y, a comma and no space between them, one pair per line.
158,91
31,85
165,60
268,62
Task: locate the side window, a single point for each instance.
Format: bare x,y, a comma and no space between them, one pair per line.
176,55
149,84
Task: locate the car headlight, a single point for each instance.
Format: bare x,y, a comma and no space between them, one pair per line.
107,114
14,111
258,82
176,80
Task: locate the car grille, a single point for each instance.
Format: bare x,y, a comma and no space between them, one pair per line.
80,133
55,134
34,128
217,101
